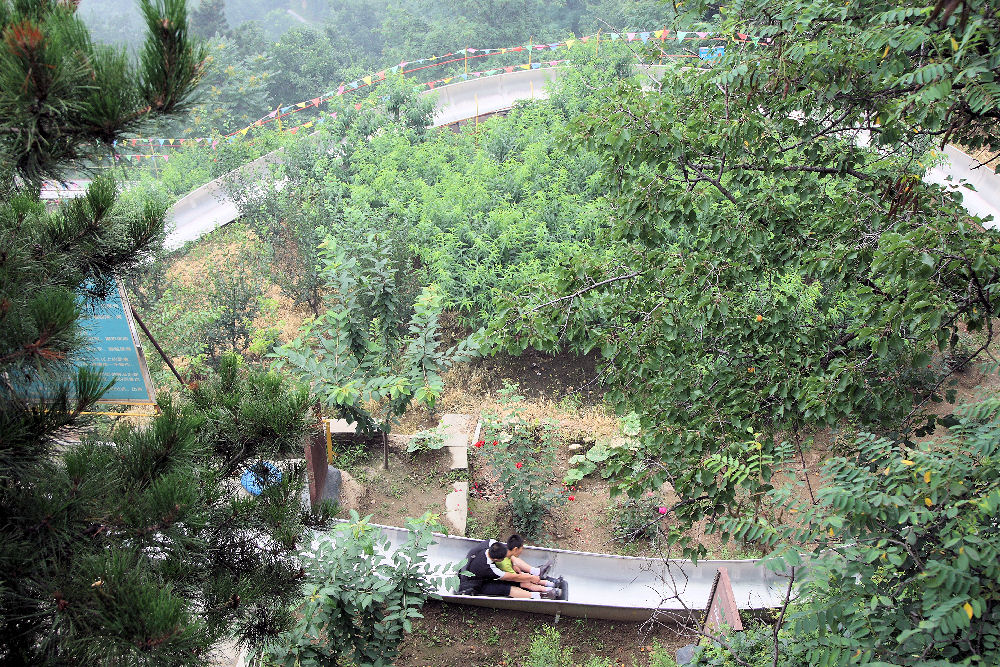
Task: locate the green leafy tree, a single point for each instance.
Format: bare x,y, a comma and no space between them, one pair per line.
361,356
234,302
209,18
772,275
361,595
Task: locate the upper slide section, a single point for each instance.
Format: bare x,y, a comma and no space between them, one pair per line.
211,206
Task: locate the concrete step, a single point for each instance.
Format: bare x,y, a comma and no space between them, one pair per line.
457,433
456,507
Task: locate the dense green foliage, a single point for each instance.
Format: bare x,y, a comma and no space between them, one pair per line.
478,213
906,567
770,275
361,596
912,573
750,271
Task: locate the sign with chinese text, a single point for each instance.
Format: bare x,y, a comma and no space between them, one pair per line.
711,52
113,347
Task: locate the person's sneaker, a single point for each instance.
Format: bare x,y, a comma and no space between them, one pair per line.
552,594
544,568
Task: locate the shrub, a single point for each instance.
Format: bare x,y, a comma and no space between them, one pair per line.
634,519
430,439
547,650
360,597
584,464
522,456
661,656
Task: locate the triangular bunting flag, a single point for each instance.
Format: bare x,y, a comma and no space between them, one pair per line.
644,36
570,43
367,80
630,36
681,35
508,69
658,34
741,36
702,35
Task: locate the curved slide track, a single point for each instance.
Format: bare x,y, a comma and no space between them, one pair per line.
618,588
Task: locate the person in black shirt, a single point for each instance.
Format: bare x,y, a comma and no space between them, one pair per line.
485,578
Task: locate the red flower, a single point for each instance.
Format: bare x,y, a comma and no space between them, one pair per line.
519,465
495,443
480,443
572,497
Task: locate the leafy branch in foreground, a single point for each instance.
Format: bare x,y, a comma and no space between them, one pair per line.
772,273
361,596
64,98
906,568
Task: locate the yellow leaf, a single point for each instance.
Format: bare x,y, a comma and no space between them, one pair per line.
831,532
883,557
961,550
927,477
907,462
954,44
968,609
927,501
886,52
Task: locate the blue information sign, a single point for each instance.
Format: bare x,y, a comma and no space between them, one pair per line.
711,52
113,346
